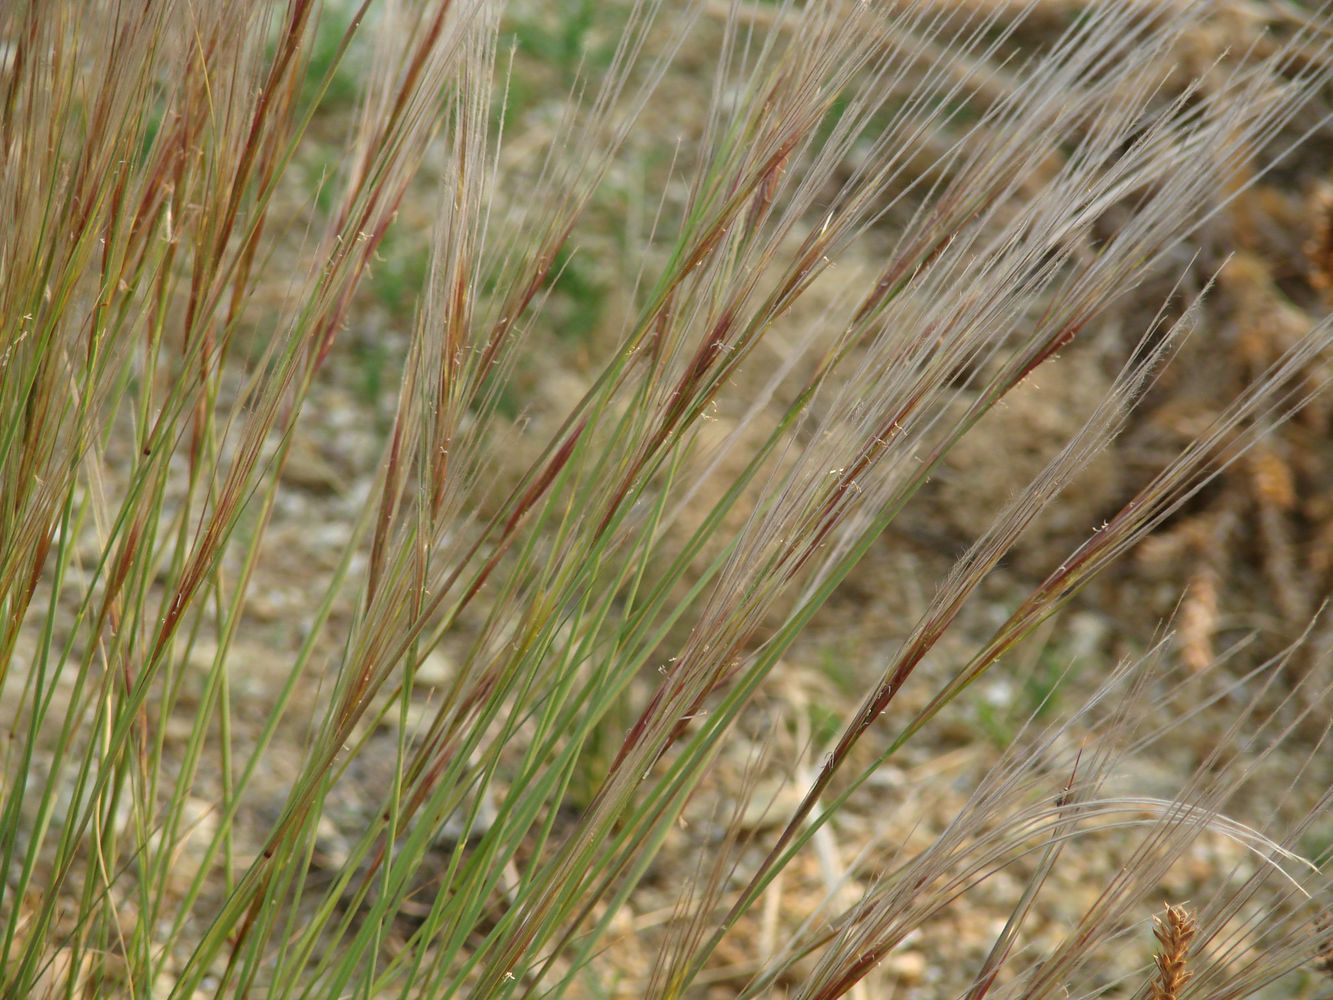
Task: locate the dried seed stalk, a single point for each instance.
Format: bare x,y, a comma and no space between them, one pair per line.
1174,930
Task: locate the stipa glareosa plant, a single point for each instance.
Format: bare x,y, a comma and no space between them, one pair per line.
156,378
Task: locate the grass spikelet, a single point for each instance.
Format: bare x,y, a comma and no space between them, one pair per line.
1323,926
1174,930
1274,483
1198,618
1319,247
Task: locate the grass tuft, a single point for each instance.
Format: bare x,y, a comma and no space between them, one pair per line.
532,645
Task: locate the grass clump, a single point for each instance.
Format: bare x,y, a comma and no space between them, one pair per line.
172,297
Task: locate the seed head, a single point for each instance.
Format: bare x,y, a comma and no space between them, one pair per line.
1174,931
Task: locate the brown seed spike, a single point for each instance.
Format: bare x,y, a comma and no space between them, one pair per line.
1198,618
1323,925
1174,930
1319,249
1273,481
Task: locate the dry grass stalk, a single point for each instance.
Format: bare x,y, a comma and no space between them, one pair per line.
1174,930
